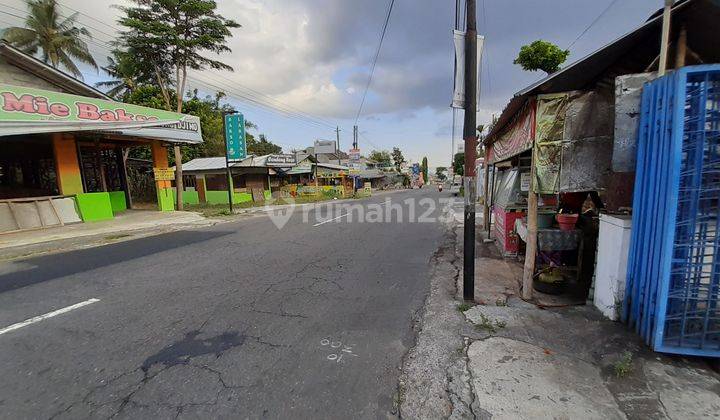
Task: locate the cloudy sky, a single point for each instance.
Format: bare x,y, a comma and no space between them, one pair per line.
315,56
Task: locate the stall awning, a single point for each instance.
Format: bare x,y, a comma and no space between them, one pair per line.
25,110
517,138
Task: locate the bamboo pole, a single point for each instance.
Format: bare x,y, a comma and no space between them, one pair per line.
531,244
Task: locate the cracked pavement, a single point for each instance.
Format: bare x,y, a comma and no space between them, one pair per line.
237,320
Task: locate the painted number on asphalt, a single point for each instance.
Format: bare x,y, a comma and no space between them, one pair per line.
338,349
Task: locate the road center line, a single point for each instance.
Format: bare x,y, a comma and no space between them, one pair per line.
47,315
342,215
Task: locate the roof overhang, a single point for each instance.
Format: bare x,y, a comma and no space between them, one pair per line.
631,53
48,73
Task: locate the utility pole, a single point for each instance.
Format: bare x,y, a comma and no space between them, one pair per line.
470,137
337,135
355,137
665,39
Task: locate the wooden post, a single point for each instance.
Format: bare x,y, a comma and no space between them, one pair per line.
486,186
531,244
665,37
179,188
681,49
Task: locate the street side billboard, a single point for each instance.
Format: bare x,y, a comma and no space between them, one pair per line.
324,146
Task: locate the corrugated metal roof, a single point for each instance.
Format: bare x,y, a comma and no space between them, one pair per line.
213,164
331,166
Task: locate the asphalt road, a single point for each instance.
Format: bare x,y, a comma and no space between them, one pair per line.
239,320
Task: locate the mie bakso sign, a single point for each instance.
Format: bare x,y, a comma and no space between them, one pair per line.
25,110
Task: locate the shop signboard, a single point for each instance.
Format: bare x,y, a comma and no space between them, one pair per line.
235,137
25,110
164,174
354,155
416,169
284,160
324,146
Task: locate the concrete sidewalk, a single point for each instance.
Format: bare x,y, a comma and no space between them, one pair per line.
127,225
509,359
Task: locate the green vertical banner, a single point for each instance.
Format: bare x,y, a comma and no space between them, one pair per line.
235,137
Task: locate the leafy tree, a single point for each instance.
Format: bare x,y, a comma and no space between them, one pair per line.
56,39
440,173
424,168
124,71
210,111
541,55
398,158
178,31
459,164
382,157
262,146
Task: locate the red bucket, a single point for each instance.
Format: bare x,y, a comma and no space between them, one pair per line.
566,221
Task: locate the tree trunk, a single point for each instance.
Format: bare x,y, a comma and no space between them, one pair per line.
179,187
163,88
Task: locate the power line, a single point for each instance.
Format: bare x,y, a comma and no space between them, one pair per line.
593,23
256,97
375,59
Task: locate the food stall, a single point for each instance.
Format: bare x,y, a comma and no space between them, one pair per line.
551,162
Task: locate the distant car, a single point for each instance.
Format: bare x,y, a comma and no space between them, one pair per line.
456,185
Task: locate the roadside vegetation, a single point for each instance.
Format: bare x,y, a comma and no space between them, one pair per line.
221,210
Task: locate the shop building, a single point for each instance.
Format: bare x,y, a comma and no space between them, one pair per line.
64,147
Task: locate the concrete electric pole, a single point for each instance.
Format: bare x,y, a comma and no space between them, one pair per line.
337,145
470,137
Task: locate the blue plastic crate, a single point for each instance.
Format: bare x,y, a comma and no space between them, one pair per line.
673,281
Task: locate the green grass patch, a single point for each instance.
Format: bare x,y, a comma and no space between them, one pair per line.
464,306
487,324
116,237
623,367
221,210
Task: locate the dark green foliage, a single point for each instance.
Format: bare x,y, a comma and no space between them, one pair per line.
382,157
398,158
424,169
56,39
440,173
541,55
459,164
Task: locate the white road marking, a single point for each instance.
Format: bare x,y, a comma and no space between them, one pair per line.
33,320
343,215
328,221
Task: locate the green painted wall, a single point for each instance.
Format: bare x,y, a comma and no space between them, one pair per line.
221,197
189,197
94,206
216,197
117,201
165,199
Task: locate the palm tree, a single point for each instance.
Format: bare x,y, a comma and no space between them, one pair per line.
57,39
124,71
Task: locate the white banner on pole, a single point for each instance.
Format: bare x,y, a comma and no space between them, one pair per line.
458,100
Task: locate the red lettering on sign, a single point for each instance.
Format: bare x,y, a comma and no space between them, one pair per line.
107,116
13,103
60,110
41,106
87,111
122,116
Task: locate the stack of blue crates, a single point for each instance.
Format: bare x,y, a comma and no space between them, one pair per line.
673,279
